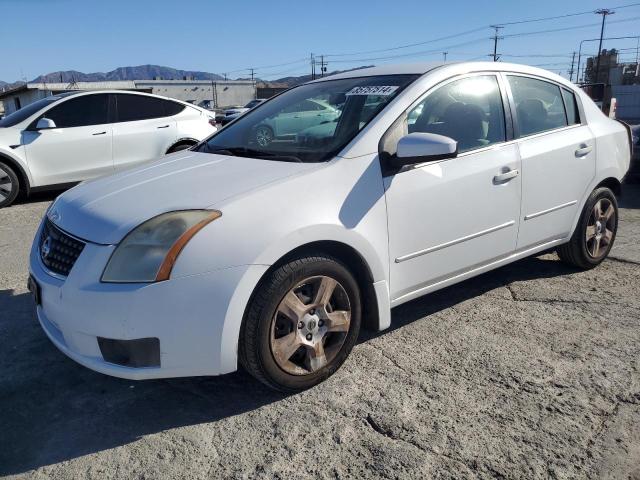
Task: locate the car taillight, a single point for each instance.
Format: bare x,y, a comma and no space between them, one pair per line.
212,122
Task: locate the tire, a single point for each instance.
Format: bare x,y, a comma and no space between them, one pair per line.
9,185
264,135
179,147
291,339
593,229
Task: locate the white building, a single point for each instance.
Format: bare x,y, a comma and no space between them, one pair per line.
218,93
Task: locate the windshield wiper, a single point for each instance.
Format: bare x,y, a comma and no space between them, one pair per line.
252,153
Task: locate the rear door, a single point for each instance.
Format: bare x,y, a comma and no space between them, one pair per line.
144,129
78,148
558,157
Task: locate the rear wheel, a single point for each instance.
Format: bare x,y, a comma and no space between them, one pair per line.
9,185
301,324
595,233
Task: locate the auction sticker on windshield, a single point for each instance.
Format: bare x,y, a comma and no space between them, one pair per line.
381,90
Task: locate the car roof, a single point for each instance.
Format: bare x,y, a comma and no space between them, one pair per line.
456,68
130,92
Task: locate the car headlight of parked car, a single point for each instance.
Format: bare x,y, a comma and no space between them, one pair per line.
149,251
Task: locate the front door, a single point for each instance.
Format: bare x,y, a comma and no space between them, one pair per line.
78,148
449,216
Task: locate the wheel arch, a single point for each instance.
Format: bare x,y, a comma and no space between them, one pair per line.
182,141
23,177
612,183
355,263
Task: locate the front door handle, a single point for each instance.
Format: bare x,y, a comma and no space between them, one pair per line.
506,176
164,126
584,150
99,133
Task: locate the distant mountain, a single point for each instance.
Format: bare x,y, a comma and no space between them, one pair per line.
141,72
149,72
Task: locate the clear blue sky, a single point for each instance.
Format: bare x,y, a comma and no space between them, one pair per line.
42,36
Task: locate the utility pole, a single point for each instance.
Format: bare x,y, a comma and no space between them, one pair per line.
604,12
313,67
444,57
253,83
573,59
495,39
323,66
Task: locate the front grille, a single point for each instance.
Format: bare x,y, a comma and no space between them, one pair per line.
58,250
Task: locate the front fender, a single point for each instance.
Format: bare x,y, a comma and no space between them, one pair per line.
13,157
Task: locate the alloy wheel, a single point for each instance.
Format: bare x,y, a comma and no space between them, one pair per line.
600,228
264,136
310,325
6,185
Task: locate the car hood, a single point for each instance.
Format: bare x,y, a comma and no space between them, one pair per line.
103,211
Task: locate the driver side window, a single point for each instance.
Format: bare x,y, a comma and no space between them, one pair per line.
468,110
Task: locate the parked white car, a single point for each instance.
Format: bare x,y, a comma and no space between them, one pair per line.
71,137
276,255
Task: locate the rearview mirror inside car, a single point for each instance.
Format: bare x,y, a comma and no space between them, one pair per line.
423,147
45,123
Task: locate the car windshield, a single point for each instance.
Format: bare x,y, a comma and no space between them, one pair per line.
25,112
309,123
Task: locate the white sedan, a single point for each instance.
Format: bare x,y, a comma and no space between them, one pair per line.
274,256
64,139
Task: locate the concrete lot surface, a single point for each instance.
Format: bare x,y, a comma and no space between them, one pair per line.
531,371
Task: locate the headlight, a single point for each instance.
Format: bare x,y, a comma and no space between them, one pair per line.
148,252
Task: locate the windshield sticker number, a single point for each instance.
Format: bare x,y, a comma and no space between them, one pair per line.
381,90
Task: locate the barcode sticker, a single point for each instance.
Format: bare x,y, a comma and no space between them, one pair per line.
381,90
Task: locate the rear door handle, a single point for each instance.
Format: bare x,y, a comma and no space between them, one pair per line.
584,150
164,126
506,176
99,133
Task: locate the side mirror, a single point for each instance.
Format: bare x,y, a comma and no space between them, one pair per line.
423,147
45,123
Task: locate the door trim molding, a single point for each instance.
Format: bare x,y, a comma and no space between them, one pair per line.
454,242
549,210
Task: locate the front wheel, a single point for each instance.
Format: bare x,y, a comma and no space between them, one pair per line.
9,185
301,324
595,233
264,135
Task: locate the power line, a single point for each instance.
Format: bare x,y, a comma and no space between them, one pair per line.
412,54
576,27
434,40
495,38
557,17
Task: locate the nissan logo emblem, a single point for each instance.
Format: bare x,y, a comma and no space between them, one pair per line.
45,249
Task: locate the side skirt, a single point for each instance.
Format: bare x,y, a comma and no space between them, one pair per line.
477,270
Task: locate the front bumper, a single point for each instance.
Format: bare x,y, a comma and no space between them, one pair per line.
195,318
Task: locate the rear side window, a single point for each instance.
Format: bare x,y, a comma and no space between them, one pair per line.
173,108
468,110
539,105
570,103
80,112
132,108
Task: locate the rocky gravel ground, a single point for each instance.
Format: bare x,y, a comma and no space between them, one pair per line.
530,371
